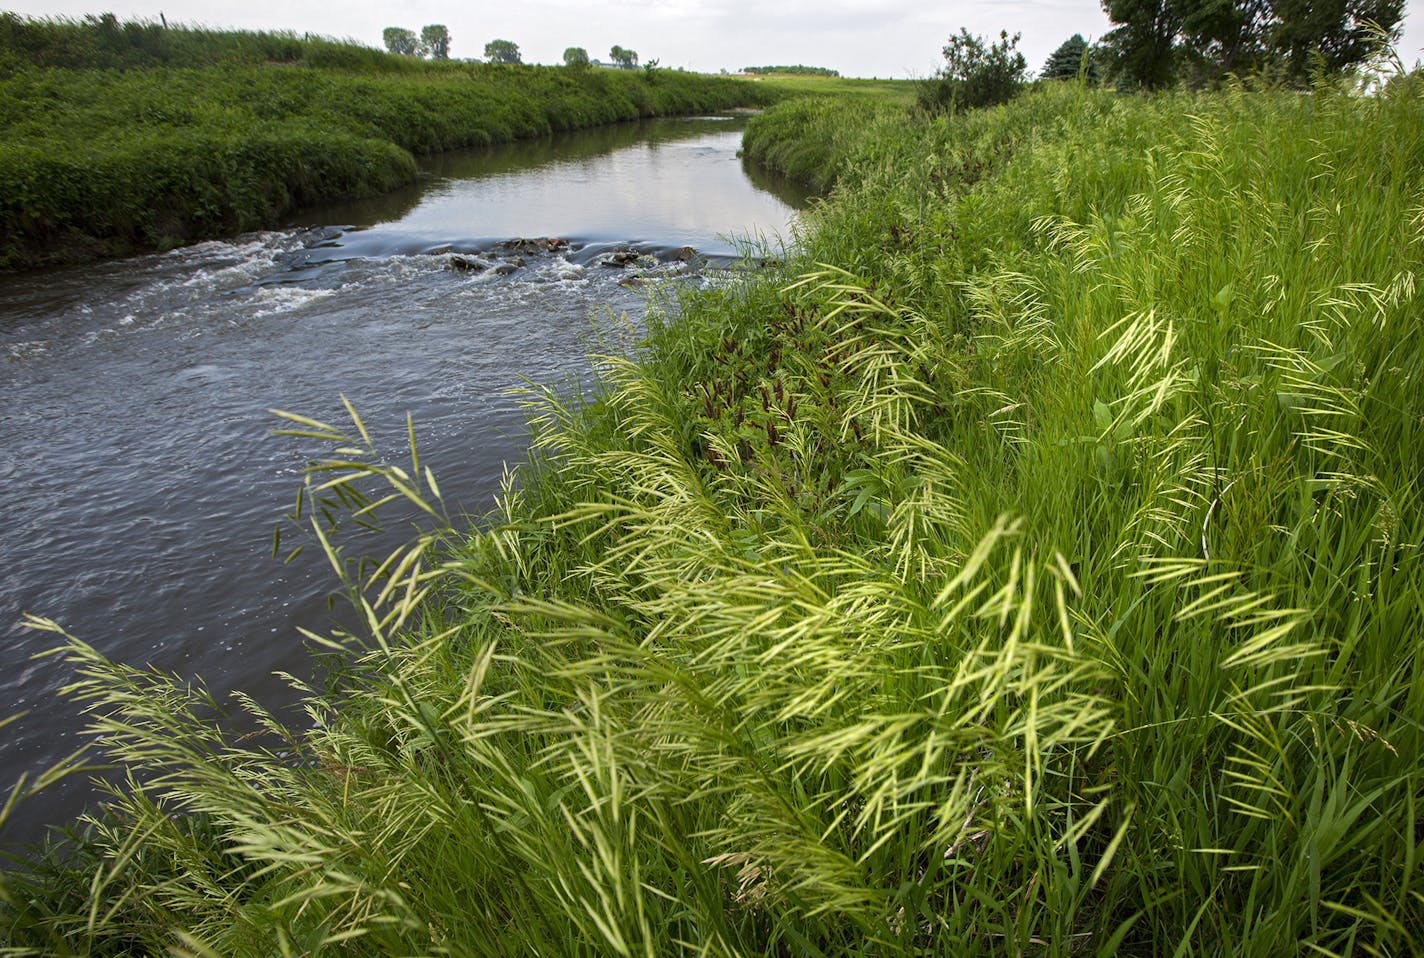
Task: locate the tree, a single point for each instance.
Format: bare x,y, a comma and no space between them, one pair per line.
626,59
435,41
1143,50
1072,57
1227,36
1336,34
400,41
1215,37
576,58
975,75
502,51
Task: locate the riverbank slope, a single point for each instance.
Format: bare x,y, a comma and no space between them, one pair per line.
1029,565
143,139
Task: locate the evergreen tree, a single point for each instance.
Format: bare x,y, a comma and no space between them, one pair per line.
1070,59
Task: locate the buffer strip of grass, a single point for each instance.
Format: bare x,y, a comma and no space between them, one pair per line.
1031,566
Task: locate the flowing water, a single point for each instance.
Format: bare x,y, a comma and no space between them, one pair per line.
140,483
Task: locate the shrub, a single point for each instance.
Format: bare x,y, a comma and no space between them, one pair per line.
975,74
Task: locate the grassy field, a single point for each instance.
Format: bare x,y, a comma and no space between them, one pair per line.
1030,565
114,139
895,91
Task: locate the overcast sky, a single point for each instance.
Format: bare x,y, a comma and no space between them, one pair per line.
886,38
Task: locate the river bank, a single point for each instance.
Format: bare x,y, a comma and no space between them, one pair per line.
1027,565
101,161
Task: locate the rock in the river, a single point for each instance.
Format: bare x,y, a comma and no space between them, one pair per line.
467,264
621,258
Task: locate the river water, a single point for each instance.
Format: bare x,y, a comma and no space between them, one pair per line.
140,483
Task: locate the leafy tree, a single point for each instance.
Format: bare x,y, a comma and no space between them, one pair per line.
975,74
1336,34
1072,57
1214,37
502,51
626,59
576,58
400,40
1227,35
1143,50
435,41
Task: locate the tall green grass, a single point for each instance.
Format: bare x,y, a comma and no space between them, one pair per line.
97,162
1031,566
104,42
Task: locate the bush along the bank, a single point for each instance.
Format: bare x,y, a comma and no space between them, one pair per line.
100,162
1029,566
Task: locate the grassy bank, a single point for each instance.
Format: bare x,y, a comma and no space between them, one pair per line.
1031,566
169,136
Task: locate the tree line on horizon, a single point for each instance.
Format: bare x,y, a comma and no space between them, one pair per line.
797,70
433,43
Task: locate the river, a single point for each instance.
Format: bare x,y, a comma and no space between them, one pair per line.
141,484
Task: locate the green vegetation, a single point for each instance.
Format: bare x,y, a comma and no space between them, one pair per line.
104,43
975,74
1073,58
815,139
149,149
626,59
502,51
798,70
1158,42
576,58
400,41
792,84
433,42
1029,565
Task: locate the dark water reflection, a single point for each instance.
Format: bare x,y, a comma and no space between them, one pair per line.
141,484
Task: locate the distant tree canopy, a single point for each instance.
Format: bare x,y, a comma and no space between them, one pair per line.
576,57
975,74
799,70
502,51
435,41
400,41
1157,41
1072,57
627,59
